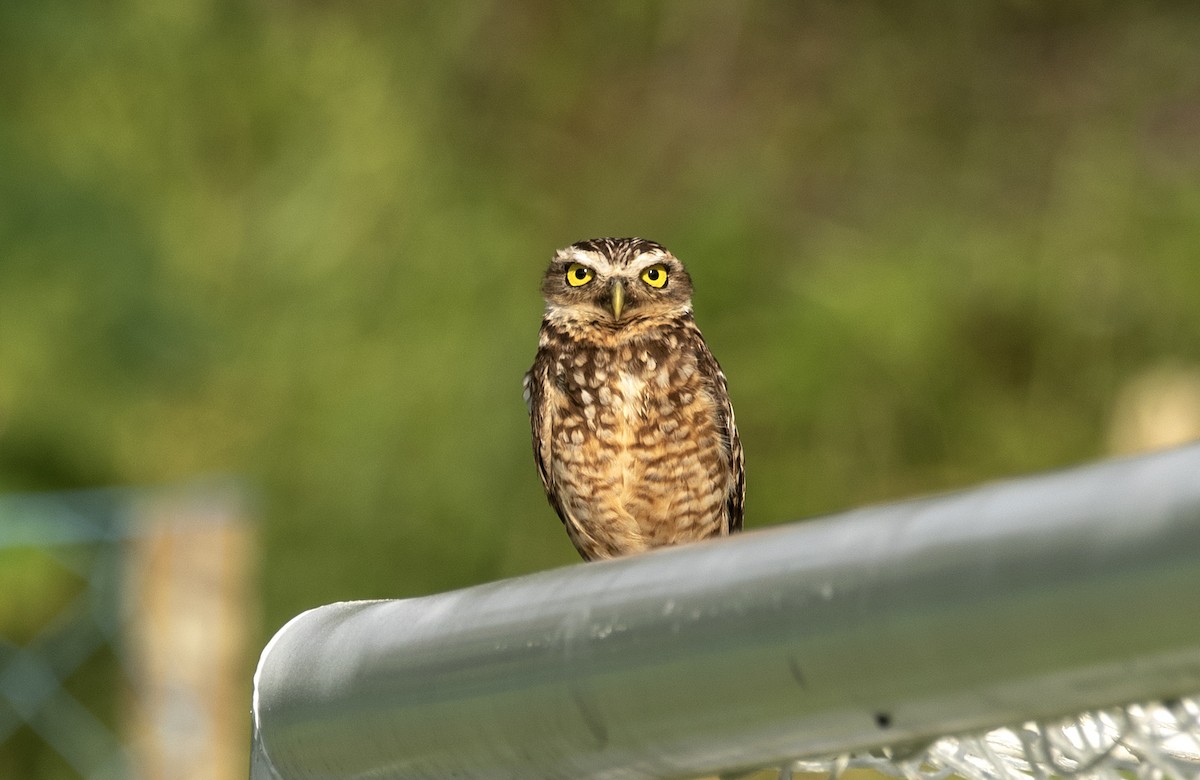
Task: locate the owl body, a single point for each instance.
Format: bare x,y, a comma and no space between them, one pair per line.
633,432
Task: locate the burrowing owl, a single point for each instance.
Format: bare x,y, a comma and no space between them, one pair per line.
633,431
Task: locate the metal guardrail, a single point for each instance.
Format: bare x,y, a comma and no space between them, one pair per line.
1031,598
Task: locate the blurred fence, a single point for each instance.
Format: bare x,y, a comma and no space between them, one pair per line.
896,625
123,632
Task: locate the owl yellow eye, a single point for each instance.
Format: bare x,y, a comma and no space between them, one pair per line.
655,275
578,275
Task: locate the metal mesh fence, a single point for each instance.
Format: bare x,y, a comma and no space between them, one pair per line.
1145,741
122,633
77,539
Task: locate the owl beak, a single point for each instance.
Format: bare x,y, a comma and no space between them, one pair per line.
618,298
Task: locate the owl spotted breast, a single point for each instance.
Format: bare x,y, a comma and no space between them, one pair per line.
633,431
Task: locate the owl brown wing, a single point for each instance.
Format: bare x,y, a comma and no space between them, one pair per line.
540,427
735,499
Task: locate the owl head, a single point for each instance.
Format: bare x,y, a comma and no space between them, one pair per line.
614,281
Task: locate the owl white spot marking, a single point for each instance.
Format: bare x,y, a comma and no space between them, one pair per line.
586,396
577,436
631,386
578,377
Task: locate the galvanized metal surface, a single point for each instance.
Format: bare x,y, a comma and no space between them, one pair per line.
1037,597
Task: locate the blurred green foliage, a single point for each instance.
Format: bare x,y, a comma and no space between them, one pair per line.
301,242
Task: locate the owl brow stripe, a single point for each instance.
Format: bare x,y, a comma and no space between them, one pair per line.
597,261
613,246
645,260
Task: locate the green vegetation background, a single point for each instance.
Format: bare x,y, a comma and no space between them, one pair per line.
300,242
